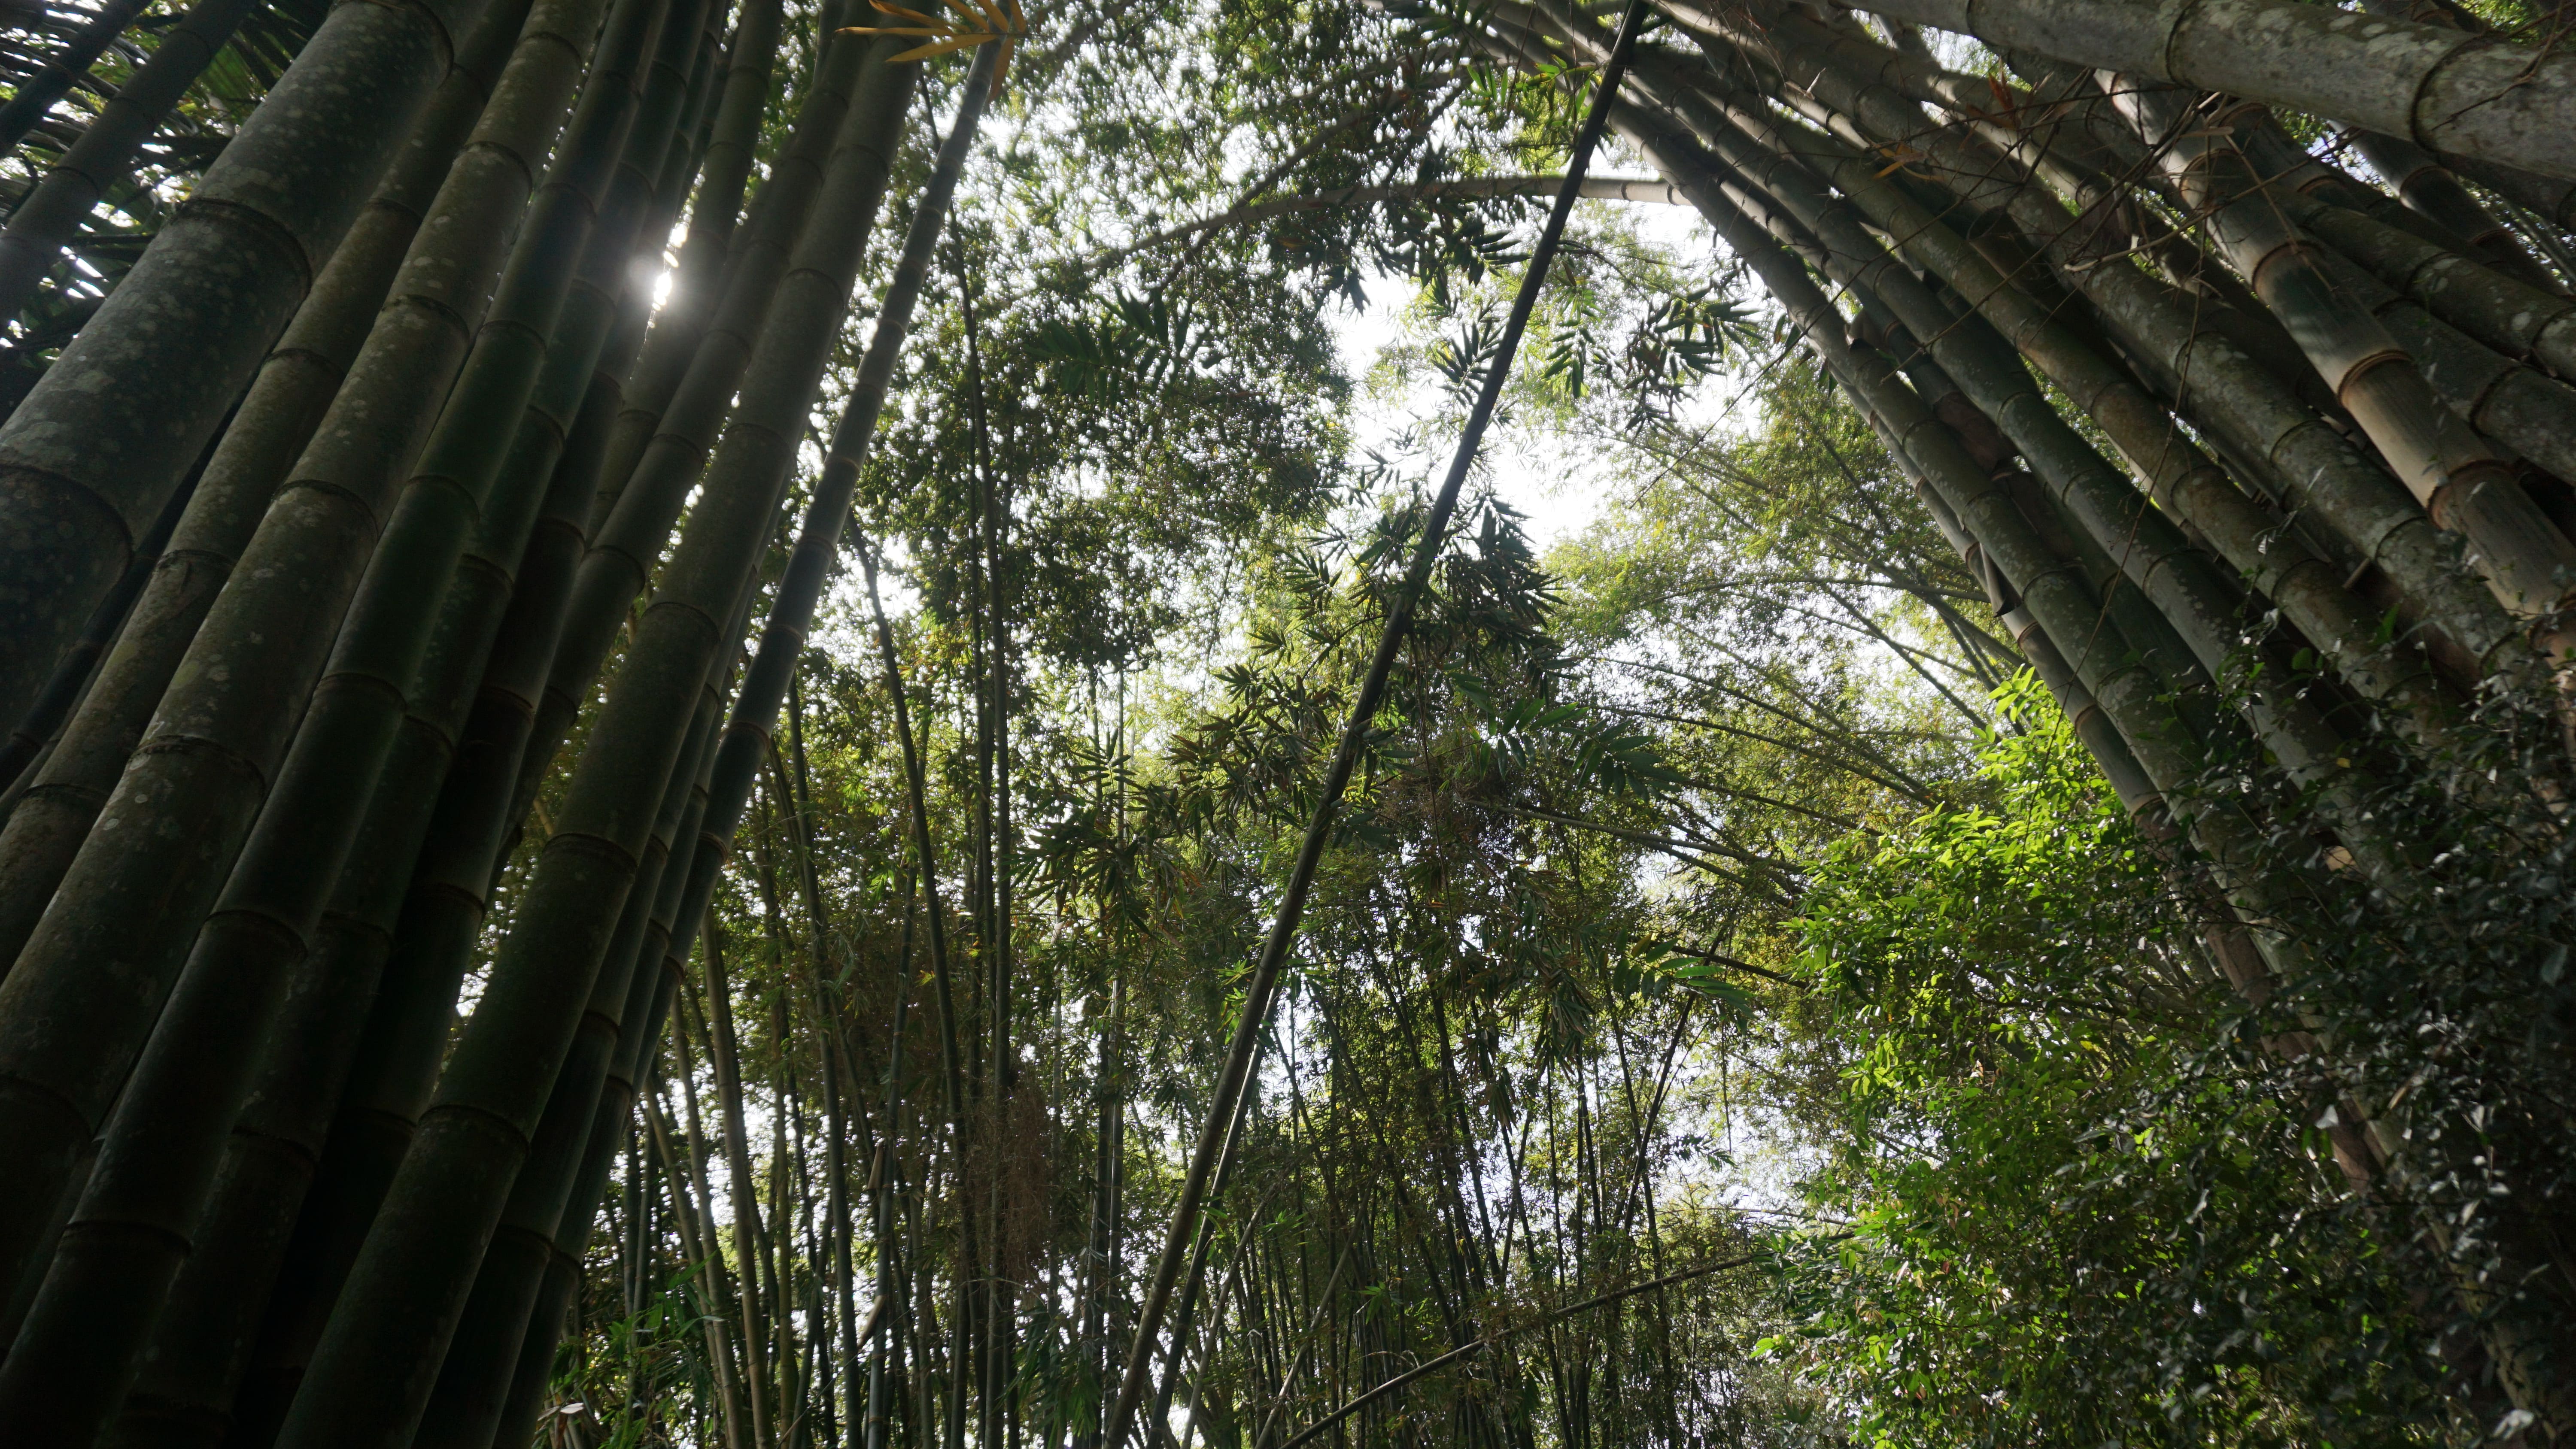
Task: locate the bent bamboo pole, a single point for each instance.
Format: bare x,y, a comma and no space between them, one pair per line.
95,449
2454,93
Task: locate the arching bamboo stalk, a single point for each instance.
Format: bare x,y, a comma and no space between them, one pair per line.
268,433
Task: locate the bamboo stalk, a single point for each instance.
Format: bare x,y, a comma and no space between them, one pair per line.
2460,482
456,1177
699,282
127,908
467,1404
2429,189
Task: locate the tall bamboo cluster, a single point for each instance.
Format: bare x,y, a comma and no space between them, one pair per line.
379,570
422,440
2199,405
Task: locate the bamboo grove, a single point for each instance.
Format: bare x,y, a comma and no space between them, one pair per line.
704,751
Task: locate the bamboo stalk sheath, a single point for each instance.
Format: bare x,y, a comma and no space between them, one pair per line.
103,957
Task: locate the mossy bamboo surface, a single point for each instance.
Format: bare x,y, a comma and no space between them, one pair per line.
52,213
91,980
374,1369
268,433
95,449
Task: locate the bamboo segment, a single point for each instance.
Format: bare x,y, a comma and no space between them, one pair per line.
21,752
197,1359
268,433
2451,92
104,955
668,435
2514,318
92,453
2461,483
408,1285
2427,187
100,159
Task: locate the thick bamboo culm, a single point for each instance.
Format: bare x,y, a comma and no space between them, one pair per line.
458,518
1847,129
91,454
275,420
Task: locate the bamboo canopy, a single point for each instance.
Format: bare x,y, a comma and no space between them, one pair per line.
440,758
